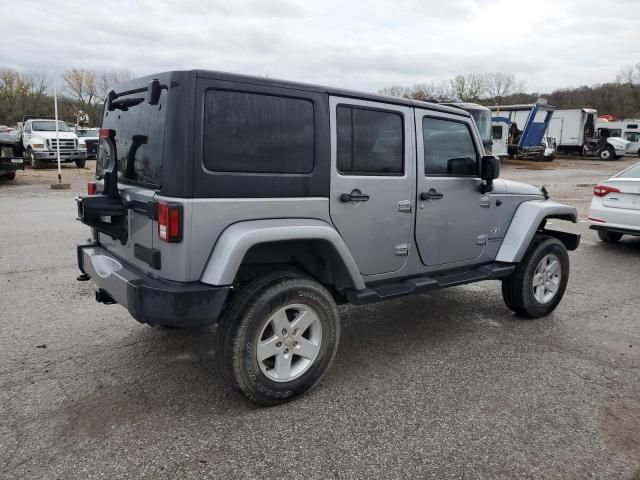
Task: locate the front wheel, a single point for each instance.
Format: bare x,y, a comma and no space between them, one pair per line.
536,287
607,153
278,337
33,160
80,163
8,176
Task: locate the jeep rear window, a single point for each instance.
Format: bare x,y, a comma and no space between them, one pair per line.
256,133
139,141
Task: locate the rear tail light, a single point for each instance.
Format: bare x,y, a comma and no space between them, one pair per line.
604,190
169,222
106,133
91,188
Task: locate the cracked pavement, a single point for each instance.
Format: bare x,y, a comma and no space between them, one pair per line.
442,385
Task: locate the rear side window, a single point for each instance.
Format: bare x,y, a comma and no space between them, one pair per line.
497,132
255,133
448,148
370,142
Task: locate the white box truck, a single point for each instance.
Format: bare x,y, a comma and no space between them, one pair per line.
575,132
627,129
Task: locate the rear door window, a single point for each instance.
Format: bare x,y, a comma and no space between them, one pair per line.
370,142
257,133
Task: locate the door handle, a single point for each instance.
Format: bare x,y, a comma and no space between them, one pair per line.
354,196
432,194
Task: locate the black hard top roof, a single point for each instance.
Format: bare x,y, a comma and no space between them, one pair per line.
267,81
328,90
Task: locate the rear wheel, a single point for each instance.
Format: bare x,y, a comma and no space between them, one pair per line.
540,279
278,336
609,237
80,163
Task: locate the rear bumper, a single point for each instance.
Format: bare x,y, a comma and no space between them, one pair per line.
614,228
8,165
151,300
47,155
602,217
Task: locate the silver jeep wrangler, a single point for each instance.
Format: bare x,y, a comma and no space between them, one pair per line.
260,205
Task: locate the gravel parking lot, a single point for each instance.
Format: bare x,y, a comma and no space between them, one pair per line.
442,385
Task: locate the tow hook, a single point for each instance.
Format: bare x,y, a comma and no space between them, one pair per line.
103,297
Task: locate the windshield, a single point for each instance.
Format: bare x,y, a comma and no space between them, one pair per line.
483,121
87,133
50,126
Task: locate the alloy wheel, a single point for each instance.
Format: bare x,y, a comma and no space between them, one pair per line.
289,342
546,278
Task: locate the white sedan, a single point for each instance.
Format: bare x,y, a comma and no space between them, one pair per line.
615,207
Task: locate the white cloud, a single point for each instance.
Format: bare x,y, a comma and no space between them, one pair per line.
363,45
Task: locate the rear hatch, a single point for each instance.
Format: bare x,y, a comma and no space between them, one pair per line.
135,129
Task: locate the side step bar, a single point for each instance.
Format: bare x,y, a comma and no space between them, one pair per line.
410,286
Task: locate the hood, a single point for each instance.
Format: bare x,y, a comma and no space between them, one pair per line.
49,135
618,143
515,188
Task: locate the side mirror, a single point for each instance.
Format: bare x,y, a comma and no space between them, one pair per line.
489,171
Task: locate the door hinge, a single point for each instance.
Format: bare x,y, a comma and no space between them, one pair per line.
482,239
485,202
402,250
405,206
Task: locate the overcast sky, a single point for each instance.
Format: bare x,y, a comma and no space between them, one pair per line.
364,45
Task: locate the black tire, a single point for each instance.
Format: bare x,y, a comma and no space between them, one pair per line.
243,321
8,176
80,163
33,161
518,289
609,237
607,153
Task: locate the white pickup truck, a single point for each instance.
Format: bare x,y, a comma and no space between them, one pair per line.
39,143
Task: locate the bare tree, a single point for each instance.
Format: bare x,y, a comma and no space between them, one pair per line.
422,91
81,85
394,91
13,87
468,88
499,85
38,85
107,79
629,75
